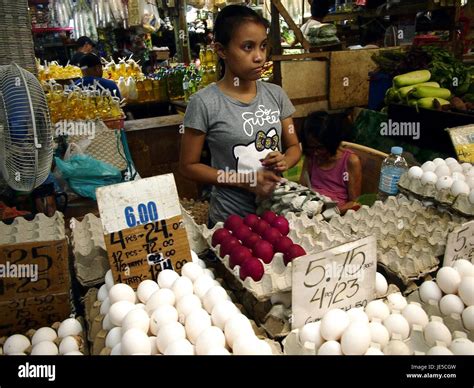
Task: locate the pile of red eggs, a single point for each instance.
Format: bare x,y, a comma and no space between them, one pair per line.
249,239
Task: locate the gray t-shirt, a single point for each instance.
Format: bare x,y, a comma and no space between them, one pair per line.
239,135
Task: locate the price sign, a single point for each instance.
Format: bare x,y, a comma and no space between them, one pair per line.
341,277
460,244
144,231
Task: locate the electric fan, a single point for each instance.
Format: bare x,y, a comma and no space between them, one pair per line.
26,136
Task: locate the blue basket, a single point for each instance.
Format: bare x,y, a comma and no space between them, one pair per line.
379,84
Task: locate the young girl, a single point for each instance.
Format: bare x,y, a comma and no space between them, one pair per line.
247,123
332,170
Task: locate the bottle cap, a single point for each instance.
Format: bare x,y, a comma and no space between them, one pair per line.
396,150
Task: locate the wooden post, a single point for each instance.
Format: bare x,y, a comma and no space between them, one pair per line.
276,43
181,33
284,13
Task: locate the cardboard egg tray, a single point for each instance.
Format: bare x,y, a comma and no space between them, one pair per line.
195,233
199,210
443,197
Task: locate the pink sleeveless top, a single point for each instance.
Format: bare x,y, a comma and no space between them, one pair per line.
333,182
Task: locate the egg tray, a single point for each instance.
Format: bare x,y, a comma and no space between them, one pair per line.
199,210
40,228
90,254
296,198
443,197
197,242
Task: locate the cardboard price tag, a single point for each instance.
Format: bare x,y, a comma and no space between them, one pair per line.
141,252
340,277
29,269
460,244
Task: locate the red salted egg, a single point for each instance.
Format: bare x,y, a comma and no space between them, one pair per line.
293,252
232,222
250,220
283,244
238,256
219,236
241,232
281,223
252,267
272,235
268,216
260,227
263,250
227,245
250,240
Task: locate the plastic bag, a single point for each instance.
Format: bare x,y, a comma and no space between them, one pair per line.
85,174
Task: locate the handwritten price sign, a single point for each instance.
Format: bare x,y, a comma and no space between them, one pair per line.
460,244
340,277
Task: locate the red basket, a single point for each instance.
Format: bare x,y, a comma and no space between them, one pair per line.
115,123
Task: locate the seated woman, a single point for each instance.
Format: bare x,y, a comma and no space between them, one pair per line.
328,168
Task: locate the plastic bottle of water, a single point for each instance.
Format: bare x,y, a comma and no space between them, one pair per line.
392,169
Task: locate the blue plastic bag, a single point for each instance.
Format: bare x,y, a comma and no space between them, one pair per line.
84,174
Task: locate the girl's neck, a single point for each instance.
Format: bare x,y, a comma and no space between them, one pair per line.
244,90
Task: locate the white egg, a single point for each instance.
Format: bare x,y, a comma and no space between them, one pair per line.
429,290
200,262
109,279
429,177
113,337
466,166
196,322
222,311
210,273
311,332
107,323
194,257
217,352
70,326
428,166
214,295
415,315
116,350
444,182
163,315
458,176
263,348
202,284
181,347
466,290
245,345
120,292
379,333
74,353
45,348
464,267
166,278
135,341
462,347
439,351
333,324
381,285
191,271
16,343
356,339
235,326
154,349
450,161
459,187
396,301
455,167
105,306
44,334
397,324
68,344
186,305
181,287
159,298
169,333
377,309
397,348
451,304
136,319
448,280
415,172
439,161
146,289
283,298
358,315
471,197
373,352
470,182
437,331
470,173
102,293
211,337
468,318
330,348
442,170
119,310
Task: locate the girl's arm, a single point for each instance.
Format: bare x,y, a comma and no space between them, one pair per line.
191,167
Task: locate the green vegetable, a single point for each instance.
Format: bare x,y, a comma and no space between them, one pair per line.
429,91
414,77
404,91
391,96
468,97
428,102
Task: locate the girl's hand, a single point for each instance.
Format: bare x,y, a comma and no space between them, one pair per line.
266,183
275,161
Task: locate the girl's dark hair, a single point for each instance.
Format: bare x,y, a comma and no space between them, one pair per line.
328,129
229,19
